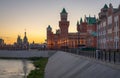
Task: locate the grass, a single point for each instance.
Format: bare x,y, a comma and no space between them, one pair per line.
39,64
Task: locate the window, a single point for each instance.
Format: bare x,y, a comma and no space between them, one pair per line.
109,20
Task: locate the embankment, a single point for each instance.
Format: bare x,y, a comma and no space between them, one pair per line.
67,65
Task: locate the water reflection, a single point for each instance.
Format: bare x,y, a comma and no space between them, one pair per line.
25,68
15,68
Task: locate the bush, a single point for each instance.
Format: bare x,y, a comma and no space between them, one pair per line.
39,64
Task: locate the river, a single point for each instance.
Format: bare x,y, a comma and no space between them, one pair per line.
15,68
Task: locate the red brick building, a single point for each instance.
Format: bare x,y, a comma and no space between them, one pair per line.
86,35
109,28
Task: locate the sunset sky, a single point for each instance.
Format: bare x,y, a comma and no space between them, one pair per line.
36,15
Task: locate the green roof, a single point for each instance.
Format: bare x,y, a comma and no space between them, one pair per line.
63,11
91,20
105,6
49,28
81,20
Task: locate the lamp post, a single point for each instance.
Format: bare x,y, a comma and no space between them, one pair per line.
78,29
78,39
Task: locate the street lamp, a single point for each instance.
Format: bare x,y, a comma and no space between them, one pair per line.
78,29
78,38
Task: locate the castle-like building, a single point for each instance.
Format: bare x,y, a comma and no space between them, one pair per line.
108,28
86,35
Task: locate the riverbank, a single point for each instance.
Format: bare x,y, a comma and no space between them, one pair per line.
40,64
24,54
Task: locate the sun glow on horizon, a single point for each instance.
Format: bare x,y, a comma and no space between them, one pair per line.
35,16
12,40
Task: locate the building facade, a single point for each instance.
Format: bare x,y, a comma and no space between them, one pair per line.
63,39
108,28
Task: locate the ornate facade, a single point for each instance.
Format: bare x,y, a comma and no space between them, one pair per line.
63,39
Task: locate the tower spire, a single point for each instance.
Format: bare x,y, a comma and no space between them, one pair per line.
63,11
25,32
77,23
63,23
81,20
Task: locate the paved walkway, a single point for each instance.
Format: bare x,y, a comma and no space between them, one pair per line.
67,65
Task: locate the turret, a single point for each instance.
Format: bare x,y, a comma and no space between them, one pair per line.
25,41
19,40
78,26
77,23
81,20
63,23
49,28
49,37
110,5
103,13
49,31
63,15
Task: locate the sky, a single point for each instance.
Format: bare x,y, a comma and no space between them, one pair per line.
34,16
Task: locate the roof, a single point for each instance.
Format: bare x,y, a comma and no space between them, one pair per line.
105,6
91,20
81,20
49,28
63,11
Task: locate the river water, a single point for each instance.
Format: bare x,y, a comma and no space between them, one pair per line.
15,68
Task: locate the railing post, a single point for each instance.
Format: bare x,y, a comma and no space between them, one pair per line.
119,54
102,54
114,55
105,54
109,56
